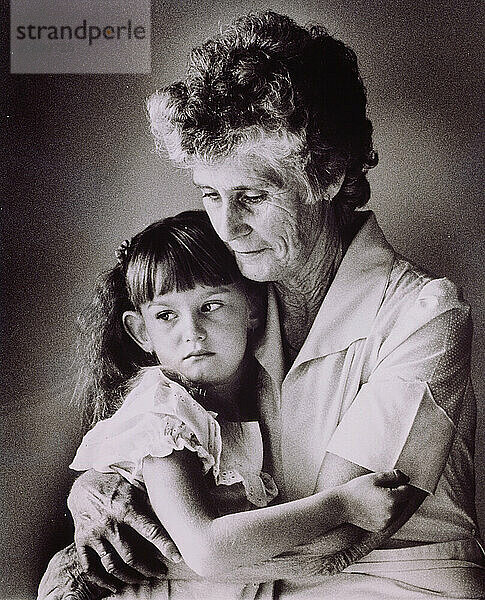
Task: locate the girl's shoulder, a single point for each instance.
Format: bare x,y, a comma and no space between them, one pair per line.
151,390
157,417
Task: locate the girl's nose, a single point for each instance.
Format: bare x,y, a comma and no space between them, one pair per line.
194,331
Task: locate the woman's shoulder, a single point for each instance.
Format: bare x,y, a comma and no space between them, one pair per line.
410,284
416,300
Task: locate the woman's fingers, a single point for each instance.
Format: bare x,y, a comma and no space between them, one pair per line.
116,532
91,565
114,565
137,553
119,555
153,532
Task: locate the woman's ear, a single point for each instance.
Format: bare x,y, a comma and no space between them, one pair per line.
253,318
134,325
334,188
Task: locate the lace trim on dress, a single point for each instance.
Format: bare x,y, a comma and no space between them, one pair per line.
157,417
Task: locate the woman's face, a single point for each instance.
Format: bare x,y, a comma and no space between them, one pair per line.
271,230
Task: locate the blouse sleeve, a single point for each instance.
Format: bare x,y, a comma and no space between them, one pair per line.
157,417
405,415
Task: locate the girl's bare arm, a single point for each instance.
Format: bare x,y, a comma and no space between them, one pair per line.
306,560
211,544
325,555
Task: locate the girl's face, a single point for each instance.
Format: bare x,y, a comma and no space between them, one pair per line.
201,333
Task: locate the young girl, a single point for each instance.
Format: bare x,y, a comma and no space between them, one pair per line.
170,359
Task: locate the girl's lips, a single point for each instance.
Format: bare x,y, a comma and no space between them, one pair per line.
196,353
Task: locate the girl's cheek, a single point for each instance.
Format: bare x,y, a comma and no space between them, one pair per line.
235,321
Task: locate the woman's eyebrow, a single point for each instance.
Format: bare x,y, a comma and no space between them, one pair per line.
236,188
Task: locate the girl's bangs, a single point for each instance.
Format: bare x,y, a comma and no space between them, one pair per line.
179,259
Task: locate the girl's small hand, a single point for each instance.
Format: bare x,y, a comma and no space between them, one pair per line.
374,501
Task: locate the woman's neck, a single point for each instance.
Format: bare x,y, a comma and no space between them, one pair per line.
300,297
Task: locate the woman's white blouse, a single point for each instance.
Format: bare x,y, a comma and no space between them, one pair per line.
159,416
382,381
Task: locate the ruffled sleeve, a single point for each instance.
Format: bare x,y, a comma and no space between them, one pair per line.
157,417
242,462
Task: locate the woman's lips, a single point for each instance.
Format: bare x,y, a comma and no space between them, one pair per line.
250,252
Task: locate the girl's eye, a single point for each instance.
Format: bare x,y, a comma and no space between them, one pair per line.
166,315
210,306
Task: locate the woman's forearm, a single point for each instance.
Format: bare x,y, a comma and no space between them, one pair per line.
65,574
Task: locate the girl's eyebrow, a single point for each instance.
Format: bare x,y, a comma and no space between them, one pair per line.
222,289
158,303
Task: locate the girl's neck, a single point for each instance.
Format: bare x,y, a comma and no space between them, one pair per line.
231,399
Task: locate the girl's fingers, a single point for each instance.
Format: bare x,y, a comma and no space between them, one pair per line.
390,479
403,493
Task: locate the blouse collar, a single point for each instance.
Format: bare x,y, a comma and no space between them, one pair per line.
347,311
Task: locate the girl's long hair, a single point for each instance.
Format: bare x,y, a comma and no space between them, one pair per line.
176,253
107,356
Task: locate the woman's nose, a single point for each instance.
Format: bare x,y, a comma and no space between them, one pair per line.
228,221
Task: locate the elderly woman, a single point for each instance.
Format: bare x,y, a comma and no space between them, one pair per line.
365,358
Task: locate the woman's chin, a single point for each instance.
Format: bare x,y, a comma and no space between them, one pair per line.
265,267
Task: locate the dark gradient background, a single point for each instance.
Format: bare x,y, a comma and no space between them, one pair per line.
82,177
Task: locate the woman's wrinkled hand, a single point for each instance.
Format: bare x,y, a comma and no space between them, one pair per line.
64,579
376,500
117,535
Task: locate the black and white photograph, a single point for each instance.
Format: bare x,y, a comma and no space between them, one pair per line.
243,316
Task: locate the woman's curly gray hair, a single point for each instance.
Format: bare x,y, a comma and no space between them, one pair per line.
267,78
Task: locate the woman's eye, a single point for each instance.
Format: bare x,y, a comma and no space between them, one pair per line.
253,198
165,315
210,196
210,306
